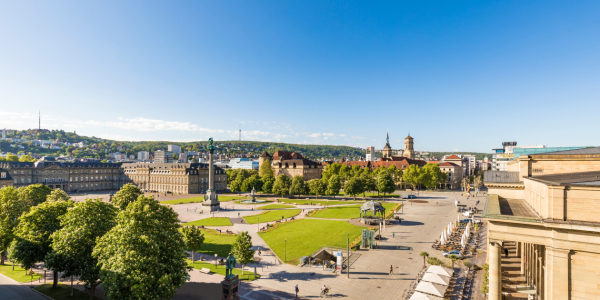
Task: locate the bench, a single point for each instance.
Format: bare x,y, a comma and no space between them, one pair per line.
205,270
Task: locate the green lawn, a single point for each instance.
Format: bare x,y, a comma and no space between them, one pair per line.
307,236
345,212
322,202
219,244
272,215
276,206
18,274
375,195
200,199
266,201
222,221
62,291
248,274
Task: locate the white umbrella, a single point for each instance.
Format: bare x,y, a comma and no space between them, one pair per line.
421,296
435,278
432,289
440,271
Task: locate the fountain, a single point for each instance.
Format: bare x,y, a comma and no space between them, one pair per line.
253,200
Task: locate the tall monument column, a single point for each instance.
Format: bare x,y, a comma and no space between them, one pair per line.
211,200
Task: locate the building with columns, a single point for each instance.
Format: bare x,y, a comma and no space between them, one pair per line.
548,209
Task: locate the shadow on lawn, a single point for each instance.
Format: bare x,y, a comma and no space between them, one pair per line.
284,276
199,291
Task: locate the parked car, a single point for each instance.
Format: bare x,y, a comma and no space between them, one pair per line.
469,220
455,252
467,213
409,196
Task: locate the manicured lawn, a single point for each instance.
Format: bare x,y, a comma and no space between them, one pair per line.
276,206
345,212
375,195
307,236
266,201
272,215
219,244
200,199
210,222
18,274
248,274
322,202
62,291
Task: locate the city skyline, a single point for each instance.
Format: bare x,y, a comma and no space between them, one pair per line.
458,78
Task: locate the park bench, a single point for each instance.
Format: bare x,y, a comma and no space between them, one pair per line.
205,270
229,231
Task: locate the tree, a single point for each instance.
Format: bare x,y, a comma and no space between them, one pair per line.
33,233
453,258
73,244
265,169
34,194
252,182
236,186
432,175
193,238
268,182
298,187
282,185
127,194
58,195
143,256
242,249
369,181
412,175
12,157
477,183
11,208
425,255
334,185
354,186
27,158
385,184
316,187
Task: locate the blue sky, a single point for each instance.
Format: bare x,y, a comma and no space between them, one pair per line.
459,76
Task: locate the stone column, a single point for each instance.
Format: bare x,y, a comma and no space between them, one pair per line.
557,274
495,257
518,251
522,256
211,170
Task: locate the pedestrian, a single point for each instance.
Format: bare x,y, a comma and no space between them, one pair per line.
393,235
238,214
505,252
297,290
391,269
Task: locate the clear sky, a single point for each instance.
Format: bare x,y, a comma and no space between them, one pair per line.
458,76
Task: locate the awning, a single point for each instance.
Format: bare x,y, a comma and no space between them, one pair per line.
421,296
440,271
435,278
432,289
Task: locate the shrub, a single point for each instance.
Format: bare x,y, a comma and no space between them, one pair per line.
434,261
467,263
486,281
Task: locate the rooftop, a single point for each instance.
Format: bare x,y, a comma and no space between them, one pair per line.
509,209
584,151
501,177
583,178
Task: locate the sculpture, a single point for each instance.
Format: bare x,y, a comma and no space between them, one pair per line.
210,144
229,265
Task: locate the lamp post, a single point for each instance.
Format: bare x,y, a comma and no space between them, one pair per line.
285,257
215,260
348,263
258,227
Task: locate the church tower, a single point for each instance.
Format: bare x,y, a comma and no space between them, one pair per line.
387,149
409,150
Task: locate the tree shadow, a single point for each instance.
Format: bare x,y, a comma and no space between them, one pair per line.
389,247
411,223
199,291
284,276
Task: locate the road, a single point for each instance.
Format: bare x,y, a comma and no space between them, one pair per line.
12,290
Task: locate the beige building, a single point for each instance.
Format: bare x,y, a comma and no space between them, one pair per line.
549,209
454,173
181,178
294,164
5,178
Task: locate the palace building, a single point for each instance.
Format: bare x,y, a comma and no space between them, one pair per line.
293,164
546,209
184,178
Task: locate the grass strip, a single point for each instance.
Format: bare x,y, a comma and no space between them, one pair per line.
275,206
272,215
19,274
218,221
322,202
200,199
248,275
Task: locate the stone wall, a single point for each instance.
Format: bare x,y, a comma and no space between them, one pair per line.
584,280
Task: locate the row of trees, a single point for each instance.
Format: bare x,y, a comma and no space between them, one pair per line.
133,245
23,158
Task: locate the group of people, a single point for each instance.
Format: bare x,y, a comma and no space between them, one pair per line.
324,290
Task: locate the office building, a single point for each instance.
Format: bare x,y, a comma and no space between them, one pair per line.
163,157
174,149
143,156
370,154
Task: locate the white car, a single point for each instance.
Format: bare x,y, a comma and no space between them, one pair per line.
467,213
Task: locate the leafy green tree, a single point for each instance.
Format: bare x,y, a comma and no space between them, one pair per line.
58,195
236,186
252,182
11,208
265,169
344,173
316,187
385,184
268,182
127,194
12,157
281,185
33,234
298,187
242,249
425,255
143,256
27,158
412,175
354,186
330,170
73,244
432,175
193,238
34,194
334,185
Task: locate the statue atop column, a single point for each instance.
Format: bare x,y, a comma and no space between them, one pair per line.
211,199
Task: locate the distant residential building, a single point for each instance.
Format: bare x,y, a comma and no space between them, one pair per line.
454,173
182,157
370,154
161,156
174,149
243,163
4,133
143,155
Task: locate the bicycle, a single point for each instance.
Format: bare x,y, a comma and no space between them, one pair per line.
324,293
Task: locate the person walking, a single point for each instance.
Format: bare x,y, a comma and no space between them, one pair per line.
297,290
505,252
391,269
393,235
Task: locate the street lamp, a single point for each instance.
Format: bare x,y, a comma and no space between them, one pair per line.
285,258
215,260
258,227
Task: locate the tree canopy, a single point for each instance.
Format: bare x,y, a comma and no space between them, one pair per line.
193,238
11,208
242,248
127,194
